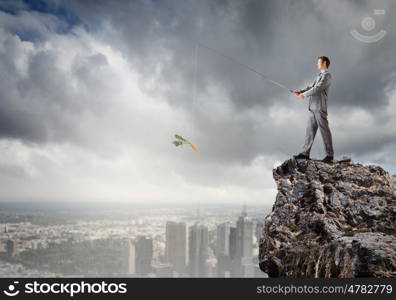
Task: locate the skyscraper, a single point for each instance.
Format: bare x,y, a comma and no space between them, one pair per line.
144,255
243,246
198,250
223,249
233,242
244,235
223,239
176,245
259,231
131,258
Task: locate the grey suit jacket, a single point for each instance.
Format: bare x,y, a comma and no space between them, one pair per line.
318,92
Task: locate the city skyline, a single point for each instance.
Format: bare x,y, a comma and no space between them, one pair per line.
137,244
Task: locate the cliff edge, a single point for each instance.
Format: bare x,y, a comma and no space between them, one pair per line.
330,221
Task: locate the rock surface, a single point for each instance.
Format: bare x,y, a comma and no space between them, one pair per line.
330,221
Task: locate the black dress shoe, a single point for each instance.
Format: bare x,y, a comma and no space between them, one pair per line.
301,156
328,159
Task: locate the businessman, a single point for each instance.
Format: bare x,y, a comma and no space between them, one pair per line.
317,93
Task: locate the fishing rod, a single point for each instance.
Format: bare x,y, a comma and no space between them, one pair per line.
246,66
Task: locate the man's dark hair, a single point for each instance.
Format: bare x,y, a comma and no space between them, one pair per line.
326,59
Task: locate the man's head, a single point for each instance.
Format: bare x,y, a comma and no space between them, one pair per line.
323,62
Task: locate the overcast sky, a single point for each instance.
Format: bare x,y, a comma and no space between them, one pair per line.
92,92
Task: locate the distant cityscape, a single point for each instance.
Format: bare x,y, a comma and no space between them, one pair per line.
190,241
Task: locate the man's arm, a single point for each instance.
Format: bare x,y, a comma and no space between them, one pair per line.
307,88
298,93
323,83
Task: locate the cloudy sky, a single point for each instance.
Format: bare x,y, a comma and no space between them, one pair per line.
92,92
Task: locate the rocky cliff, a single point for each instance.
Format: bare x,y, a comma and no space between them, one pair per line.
330,221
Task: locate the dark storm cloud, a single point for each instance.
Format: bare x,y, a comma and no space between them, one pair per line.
43,105
280,38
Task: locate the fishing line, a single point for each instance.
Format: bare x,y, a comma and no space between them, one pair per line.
195,73
246,66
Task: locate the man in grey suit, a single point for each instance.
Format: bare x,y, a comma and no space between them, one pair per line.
318,94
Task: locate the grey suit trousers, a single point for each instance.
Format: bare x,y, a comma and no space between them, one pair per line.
318,119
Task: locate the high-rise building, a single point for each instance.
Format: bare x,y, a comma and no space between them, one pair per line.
144,255
233,242
243,240
11,247
247,267
223,239
198,250
259,231
223,265
131,258
244,236
176,245
223,249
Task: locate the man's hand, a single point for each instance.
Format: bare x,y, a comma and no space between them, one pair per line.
296,93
